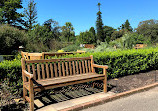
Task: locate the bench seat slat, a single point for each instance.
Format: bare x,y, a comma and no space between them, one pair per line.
65,79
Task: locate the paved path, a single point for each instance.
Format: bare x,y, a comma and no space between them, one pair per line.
144,101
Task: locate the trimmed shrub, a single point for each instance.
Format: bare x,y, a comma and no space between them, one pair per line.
10,72
125,62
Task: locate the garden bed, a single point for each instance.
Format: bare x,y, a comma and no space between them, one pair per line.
130,82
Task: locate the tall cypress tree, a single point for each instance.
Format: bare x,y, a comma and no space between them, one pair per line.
30,15
99,25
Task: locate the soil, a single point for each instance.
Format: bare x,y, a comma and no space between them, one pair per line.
130,82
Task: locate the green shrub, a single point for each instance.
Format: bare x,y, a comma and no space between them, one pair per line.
11,38
10,71
72,47
125,62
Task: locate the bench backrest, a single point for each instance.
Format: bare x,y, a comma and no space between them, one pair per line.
51,68
32,56
43,55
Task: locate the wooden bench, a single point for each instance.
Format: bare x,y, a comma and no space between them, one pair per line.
32,56
45,74
43,55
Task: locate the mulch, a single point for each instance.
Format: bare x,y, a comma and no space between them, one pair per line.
130,82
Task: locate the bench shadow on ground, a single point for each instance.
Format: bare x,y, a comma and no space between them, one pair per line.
68,93
58,95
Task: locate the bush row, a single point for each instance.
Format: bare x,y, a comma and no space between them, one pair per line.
125,62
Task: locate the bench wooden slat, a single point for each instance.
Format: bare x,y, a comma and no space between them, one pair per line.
80,67
65,79
34,73
38,72
89,65
43,71
67,72
47,70
57,60
59,68
83,67
86,66
73,64
55,70
77,71
63,68
70,68
51,70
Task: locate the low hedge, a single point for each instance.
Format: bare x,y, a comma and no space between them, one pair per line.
10,72
120,62
125,62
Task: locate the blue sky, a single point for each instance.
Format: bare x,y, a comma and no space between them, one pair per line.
82,13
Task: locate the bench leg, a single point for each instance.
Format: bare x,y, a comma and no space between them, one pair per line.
31,95
24,93
105,80
105,85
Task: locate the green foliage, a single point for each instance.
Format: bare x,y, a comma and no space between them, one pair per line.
126,26
30,14
71,48
131,39
10,71
117,34
11,38
125,62
68,32
86,38
149,29
108,32
10,14
99,25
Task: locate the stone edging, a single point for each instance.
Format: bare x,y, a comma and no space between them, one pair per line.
110,98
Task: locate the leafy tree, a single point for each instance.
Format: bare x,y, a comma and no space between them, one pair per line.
117,34
131,39
30,14
11,38
92,30
68,31
53,27
99,25
108,32
126,26
149,29
39,39
10,14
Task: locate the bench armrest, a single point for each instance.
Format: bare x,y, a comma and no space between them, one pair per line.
27,74
100,66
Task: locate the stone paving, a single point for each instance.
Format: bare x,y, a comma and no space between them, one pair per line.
72,102
143,101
